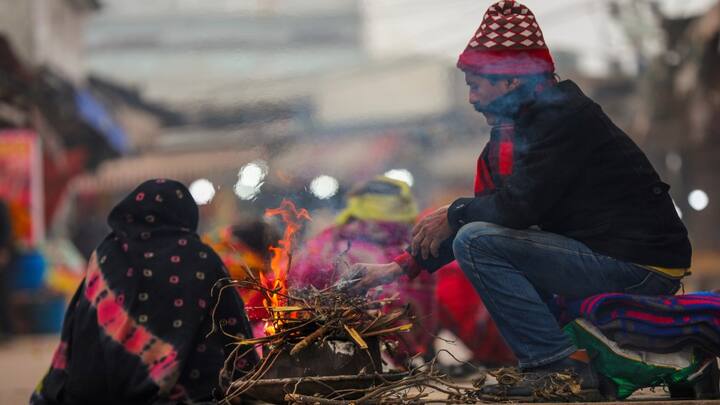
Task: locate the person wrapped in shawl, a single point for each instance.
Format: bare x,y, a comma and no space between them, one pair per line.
374,226
138,328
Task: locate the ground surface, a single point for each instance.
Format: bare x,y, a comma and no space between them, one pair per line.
24,360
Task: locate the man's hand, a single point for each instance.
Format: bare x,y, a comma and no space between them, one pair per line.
429,233
374,275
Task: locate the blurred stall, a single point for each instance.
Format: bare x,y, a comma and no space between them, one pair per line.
51,129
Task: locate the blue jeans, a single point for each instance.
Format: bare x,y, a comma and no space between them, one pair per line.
515,270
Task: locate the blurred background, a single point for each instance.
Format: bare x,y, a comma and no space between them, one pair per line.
252,101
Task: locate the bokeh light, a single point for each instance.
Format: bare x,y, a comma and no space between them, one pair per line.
202,191
246,192
698,200
324,187
253,173
250,179
401,175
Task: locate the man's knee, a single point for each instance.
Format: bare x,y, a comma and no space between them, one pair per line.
474,235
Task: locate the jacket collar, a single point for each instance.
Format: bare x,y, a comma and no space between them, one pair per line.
553,105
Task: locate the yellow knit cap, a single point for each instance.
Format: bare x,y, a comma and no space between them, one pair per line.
380,199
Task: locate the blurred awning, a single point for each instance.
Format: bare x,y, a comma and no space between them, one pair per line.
98,117
75,119
126,173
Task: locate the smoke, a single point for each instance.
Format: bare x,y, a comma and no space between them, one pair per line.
509,105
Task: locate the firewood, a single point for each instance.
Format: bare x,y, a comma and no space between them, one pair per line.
356,337
307,340
401,328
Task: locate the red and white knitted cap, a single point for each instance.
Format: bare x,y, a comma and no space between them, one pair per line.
508,42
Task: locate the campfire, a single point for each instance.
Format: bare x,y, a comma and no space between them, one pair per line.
320,343
280,263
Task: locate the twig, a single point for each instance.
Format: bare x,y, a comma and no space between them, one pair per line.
401,328
305,399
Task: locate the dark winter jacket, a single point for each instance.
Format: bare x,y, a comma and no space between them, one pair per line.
569,170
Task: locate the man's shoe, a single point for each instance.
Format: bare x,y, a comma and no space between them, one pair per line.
570,379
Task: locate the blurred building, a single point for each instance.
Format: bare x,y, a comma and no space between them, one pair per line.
234,51
51,129
48,32
43,95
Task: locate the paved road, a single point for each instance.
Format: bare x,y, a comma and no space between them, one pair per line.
23,361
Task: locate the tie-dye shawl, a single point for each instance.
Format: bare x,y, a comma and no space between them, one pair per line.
135,332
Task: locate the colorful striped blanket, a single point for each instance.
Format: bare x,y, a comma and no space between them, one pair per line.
661,324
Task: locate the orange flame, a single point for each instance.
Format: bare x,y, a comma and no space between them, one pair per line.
281,254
